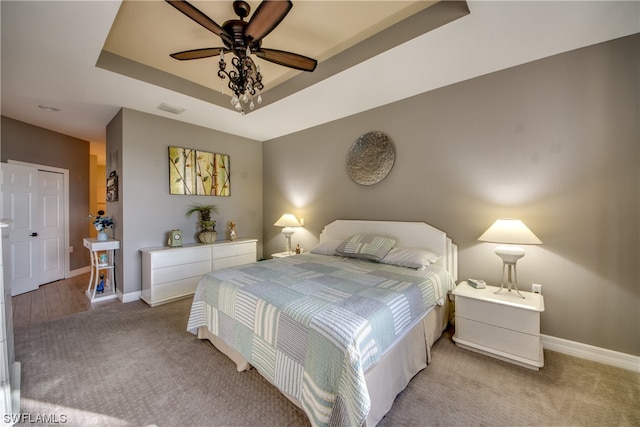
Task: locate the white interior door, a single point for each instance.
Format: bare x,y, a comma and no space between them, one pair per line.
50,229
34,207
20,207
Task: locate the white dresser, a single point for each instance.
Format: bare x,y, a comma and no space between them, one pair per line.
169,273
500,325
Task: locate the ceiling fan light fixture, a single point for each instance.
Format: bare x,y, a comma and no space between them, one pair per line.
245,81
244,39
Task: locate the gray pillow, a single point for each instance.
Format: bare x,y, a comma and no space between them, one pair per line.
328,247
366,246
410,257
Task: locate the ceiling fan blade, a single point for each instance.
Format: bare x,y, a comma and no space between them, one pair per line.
288,59
266,17
206,52
195,14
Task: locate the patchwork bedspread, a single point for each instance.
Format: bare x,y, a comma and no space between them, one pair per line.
313,324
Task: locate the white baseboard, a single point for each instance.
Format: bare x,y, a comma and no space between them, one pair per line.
79,271
589,352
129,297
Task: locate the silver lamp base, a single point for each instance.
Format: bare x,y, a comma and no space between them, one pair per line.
510,254
287,231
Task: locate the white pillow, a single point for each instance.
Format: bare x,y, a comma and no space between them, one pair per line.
328,247
410,257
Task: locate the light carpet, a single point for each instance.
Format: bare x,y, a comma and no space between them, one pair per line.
133,365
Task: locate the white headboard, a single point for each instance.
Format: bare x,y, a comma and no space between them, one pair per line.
407,234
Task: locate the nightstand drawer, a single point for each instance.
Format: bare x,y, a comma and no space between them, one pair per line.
500,339
503,316
501,324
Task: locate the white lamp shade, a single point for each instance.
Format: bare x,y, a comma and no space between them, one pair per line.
287,220
510,231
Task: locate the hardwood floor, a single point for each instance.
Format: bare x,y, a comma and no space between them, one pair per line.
53,301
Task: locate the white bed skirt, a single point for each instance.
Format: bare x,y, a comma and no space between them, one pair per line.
393,371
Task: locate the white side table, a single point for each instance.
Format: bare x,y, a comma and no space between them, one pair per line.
96,247
501,325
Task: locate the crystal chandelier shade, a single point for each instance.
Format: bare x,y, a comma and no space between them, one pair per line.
245,79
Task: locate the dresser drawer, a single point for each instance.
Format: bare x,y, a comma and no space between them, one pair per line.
175,272
182,256
235,249
503,316
167,291
500,339
233,261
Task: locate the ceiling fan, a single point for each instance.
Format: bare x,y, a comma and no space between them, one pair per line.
243,38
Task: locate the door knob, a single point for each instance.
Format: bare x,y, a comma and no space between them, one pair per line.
34,234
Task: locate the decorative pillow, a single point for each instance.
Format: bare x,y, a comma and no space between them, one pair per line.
410,257
328,247
366,246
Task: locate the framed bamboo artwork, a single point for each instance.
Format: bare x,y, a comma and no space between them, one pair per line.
195,172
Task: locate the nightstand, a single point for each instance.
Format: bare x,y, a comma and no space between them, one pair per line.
501,325
282,254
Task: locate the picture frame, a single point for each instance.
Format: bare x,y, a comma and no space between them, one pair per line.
197,172
112,187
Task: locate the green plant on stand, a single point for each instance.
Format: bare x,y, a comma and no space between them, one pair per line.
208,232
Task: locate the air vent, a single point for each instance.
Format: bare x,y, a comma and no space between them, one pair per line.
170,108
49,108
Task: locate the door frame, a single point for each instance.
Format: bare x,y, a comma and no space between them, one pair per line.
65,173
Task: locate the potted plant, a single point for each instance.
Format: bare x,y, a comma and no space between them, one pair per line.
101,223
208,232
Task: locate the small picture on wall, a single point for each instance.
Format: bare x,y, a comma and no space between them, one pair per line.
195,172
112,187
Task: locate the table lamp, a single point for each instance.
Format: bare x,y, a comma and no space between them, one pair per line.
288,221
509,233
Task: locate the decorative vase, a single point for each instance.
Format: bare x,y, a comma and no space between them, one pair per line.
233,233
102,236
207,236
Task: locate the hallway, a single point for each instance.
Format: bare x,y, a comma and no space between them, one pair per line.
54,300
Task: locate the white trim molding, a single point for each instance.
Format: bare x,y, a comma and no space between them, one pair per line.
589,352
129,297
79,271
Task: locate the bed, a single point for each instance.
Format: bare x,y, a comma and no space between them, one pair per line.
341,330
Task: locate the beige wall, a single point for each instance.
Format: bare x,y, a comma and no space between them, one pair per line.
97,191
137,148
554,142
27,143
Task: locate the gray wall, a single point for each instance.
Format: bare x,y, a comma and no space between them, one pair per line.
554,143
137,148
27,143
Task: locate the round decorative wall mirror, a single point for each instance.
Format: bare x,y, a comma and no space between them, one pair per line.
370,158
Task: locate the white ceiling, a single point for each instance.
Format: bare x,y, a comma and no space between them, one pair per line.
148,31
50,49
